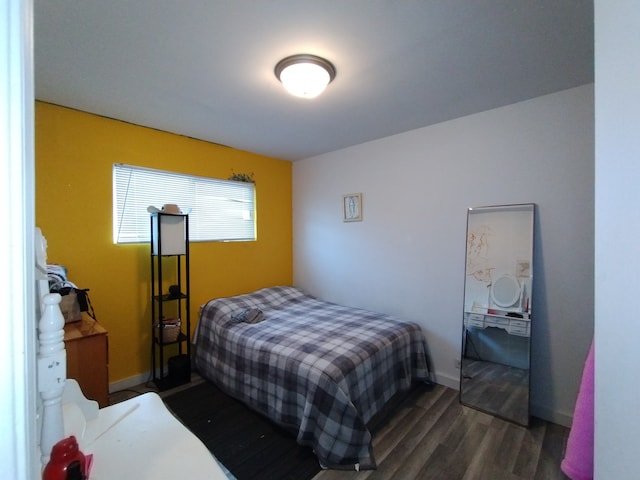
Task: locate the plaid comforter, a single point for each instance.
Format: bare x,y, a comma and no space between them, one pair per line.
319,369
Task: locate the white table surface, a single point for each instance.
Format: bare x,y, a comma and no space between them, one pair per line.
140,439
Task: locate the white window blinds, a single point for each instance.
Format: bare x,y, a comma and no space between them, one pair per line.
221,210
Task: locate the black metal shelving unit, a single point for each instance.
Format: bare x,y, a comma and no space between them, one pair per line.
170,266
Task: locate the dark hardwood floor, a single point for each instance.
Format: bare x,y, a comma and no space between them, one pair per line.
432,436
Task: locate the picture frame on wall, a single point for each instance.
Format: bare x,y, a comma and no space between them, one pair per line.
352,207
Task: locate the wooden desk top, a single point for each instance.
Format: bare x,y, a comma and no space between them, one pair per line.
86,327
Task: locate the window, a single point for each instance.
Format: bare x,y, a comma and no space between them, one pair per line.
221,210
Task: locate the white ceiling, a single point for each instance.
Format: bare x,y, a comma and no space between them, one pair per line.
204,68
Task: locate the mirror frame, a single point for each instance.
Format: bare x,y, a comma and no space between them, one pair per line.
506,326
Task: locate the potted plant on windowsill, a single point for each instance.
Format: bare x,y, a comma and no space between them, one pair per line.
242,177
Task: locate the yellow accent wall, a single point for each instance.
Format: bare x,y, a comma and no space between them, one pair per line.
75,152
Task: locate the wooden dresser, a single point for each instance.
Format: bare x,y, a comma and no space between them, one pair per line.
87,346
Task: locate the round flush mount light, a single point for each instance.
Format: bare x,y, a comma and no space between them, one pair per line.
305,75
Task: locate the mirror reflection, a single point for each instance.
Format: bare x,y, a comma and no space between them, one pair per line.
494,373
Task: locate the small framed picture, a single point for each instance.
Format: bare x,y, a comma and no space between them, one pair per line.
352,207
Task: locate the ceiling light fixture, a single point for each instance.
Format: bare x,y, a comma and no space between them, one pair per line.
305,75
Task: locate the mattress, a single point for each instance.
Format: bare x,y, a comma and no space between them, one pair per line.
319,369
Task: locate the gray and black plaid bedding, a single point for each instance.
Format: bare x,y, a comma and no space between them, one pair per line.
319,369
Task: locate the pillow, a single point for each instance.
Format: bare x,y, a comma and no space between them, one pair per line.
250,315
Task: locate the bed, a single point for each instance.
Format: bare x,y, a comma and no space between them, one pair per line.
319,369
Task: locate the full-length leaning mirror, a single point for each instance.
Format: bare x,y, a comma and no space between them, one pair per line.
496,333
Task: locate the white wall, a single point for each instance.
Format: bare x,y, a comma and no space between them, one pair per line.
407,256
617,108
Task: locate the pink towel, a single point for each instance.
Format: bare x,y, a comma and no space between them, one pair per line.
578,459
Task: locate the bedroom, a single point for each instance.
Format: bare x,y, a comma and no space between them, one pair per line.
550,143
559,151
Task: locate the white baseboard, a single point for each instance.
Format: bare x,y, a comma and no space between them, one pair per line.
134,381
129,382
560,418
448,380
546,413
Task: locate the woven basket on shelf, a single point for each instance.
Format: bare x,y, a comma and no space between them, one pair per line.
170,329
